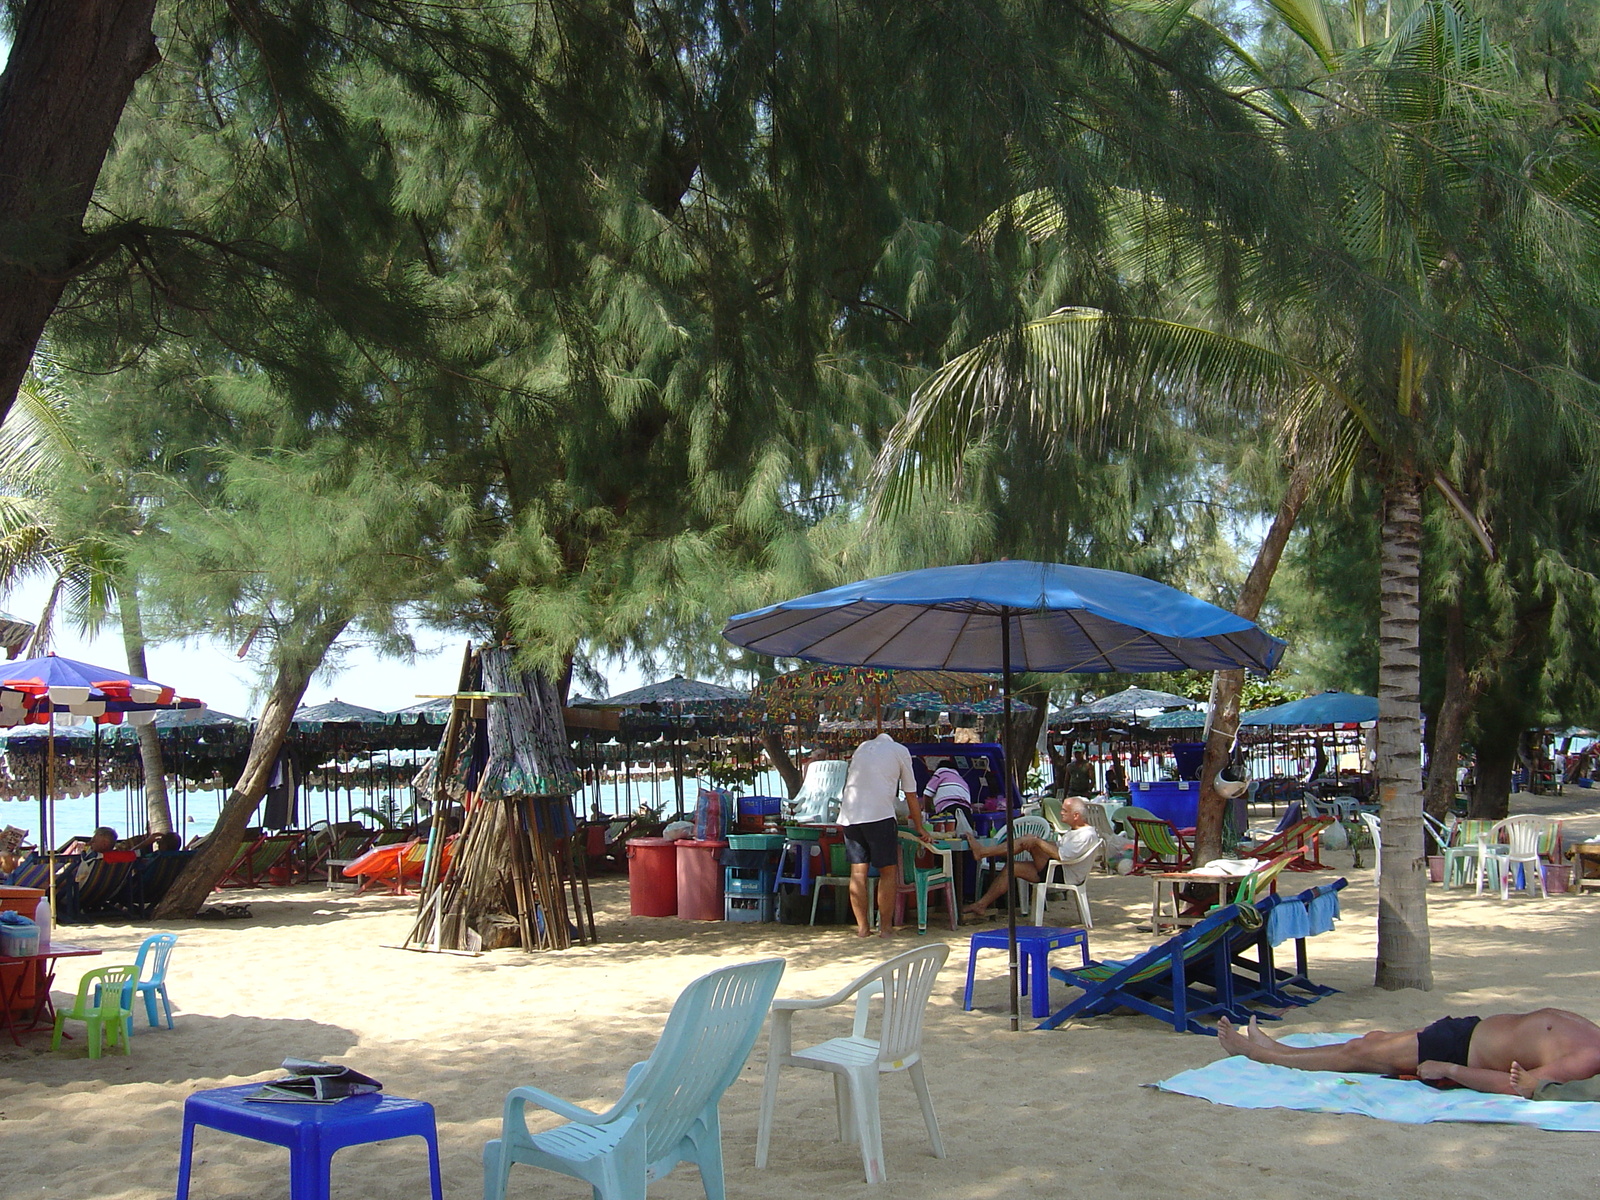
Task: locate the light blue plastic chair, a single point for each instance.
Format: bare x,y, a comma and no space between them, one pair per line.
157,951
668,1110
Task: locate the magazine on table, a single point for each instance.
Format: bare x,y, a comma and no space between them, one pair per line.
315,1083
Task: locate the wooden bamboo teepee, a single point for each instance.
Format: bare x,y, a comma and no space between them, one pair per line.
515,865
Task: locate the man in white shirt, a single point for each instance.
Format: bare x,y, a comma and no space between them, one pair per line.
880,770
1034,854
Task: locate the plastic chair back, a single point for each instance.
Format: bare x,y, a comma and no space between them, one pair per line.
100,992
907,980
1158,836
707,1038
155,952
1051,808
1130,812
1101,821
1522,832
1475,832
1032,827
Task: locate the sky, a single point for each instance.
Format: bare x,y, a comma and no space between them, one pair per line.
213,673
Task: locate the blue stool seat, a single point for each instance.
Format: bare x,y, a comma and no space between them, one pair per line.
1034,943
311,1132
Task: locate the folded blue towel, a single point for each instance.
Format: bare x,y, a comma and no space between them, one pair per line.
1240,1083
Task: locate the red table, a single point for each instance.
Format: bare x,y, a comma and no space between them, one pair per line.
44,973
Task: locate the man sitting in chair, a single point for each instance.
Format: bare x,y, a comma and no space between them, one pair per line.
1510,1053
1034,855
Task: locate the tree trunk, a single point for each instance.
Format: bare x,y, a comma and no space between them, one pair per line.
72,67
1455,707
1025,728
1403,946
1497,759
158,810
772,742
214,854
1222,720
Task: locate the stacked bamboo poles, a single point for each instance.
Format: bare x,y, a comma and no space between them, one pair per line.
515,856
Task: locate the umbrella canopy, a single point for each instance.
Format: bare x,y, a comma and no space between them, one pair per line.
676,691
1185,719
36,688
1126,703
837,690
1055,617
1330,708
337,712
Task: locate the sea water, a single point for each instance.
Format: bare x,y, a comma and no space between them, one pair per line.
194,812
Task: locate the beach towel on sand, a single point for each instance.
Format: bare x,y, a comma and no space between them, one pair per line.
1240,1083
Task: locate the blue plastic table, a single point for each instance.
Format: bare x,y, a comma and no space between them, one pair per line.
1034,943
312,1132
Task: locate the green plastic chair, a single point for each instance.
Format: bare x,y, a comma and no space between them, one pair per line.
921,880
1468,860
103,1016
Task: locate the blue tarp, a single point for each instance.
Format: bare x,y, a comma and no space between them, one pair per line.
1330,708
1062,618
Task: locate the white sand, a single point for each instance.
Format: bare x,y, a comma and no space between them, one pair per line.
1052,1114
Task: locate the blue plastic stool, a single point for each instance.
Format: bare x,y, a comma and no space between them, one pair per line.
1034,943
799,869
312,1132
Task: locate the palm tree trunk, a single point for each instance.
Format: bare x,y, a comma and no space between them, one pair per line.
1226,686
1403,946
158,809
214,854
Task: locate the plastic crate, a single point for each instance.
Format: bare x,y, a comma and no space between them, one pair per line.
740,882
749,908
756,841
760,806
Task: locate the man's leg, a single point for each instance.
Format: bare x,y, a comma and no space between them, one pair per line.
1376,1053
860,903
888,884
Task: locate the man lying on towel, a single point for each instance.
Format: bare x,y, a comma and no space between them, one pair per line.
1514,1054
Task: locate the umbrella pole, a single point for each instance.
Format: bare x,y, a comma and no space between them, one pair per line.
1005,796
50,790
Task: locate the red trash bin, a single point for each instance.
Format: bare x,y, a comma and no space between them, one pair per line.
700,880
652,877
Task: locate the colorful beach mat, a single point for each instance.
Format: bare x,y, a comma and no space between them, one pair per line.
1240,1083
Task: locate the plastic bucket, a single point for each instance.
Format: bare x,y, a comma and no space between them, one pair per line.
1557,877
700,879
1435,868
652,877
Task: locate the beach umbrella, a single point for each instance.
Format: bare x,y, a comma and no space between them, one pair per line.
35,690
1328,708
1008,617
676,697
1129,702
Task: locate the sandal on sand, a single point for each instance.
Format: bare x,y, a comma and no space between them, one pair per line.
224,912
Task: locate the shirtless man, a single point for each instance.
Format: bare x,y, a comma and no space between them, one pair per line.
1034,854
1511,1053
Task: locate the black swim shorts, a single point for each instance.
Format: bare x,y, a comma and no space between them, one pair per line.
876,843
1447,1040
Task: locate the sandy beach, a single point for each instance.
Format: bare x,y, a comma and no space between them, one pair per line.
1059,1114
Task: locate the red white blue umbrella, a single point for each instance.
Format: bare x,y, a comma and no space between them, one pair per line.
35,689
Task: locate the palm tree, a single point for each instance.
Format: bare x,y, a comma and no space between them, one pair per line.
40,454
1409,300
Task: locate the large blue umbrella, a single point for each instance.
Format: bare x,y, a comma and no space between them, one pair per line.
1008,616
1328,708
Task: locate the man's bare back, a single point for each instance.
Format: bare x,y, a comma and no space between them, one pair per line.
1509,1053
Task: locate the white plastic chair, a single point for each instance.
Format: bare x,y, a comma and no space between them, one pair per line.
1055,880
1375,828
1522,835
1100,820
905,982
668,1110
